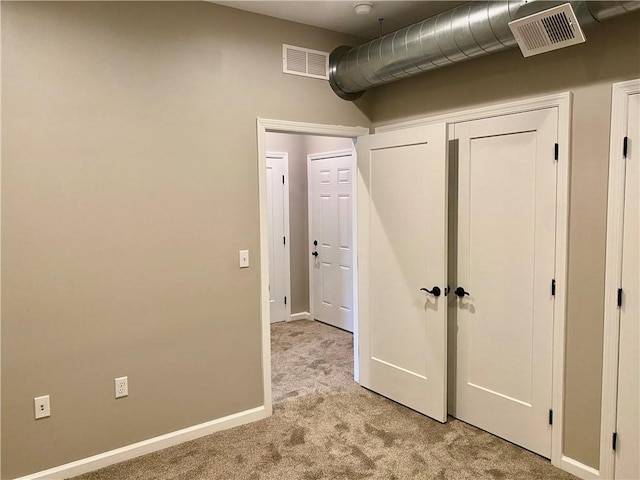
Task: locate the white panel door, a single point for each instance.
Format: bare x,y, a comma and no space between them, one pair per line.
278,221
628,416
506,263
331,237
402,245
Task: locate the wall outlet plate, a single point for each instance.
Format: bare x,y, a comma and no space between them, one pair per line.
42,407
122,387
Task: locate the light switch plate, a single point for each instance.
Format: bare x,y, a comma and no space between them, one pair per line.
42,407
244,258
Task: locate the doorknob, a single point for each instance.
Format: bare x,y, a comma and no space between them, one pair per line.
315,254
435,291
315,243
460,292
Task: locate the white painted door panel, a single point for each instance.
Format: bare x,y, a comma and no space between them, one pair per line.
331,185
402,245
277,215
506,252
627,464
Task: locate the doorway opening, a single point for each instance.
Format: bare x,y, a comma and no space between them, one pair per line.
289,286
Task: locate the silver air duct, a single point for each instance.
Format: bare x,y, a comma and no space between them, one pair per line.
471,30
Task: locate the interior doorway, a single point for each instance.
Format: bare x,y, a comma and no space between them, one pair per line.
304,139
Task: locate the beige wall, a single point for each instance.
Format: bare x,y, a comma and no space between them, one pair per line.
316,144
129,183
611,54
298,147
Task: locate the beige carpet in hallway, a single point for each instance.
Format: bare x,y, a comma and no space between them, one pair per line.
325,426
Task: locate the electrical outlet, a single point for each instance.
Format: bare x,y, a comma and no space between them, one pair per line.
122,387
42,407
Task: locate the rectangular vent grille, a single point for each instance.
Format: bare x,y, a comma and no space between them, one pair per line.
305,62
548,30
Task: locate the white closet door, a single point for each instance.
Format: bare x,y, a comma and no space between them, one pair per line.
627,464
278,221
506,263
402,245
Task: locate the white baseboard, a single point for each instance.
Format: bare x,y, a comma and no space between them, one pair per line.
578,469
105,459
300,316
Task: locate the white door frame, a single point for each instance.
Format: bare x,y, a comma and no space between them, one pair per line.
563,102
613,272
284,156
264,125
321,156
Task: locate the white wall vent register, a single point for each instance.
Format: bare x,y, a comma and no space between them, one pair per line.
305,62
548,30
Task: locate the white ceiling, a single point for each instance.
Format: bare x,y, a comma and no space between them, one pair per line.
340,16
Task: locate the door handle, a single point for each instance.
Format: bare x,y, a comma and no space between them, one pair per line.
315,254
460,292
435,291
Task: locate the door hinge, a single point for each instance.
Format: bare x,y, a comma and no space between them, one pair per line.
625,147
553,287
283,179
556,151
619,297
614,440
550,417
285,300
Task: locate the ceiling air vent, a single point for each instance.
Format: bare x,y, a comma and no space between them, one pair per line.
548,30
305,62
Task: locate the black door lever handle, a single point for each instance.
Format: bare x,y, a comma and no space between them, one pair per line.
315,254
435,291
460,292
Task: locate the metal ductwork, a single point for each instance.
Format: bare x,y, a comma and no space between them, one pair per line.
471,30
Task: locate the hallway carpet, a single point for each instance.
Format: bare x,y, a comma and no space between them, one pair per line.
325,426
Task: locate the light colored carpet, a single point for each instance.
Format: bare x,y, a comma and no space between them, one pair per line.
325,426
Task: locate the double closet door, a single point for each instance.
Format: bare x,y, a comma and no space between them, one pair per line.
497,290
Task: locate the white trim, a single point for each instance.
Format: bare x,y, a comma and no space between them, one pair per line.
518,106
105,459
578,469
564,103
284,156
300,316
0,241
282,126
613,272
310,158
